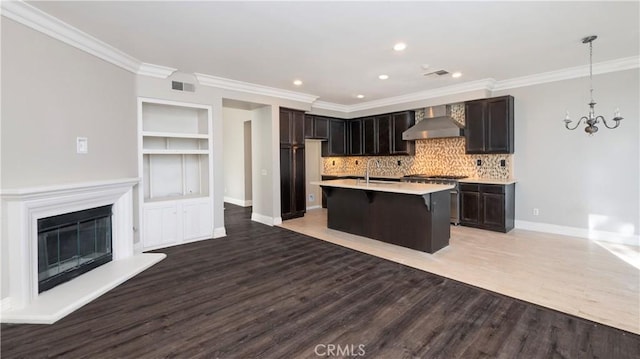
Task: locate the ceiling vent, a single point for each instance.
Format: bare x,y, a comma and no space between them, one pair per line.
439,73
182,86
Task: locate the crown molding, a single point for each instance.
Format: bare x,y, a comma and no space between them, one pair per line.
621,64
38,20
626,63
235,85
161,72
486,84
331,106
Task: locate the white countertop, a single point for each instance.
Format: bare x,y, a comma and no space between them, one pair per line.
489,181
385,186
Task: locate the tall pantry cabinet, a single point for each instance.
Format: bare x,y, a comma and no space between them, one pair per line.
176,165
292,170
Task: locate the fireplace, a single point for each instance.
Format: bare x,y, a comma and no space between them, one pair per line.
23,228
71,244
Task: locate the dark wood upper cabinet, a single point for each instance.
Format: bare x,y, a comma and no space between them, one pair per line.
369,136
285,127
308,126
499,125
384,134
291,127
355,142
474,126
321,127
401,122
337,143
316,127
489,125
297,127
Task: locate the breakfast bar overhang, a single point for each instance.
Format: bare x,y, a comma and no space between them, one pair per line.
411,215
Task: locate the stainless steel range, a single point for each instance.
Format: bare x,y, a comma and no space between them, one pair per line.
439,179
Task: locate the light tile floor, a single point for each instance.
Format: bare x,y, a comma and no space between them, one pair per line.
594,280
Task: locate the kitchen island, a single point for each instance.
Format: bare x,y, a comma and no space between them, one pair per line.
411,215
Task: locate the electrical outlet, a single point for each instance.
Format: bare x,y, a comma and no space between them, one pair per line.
312,197
503,163
478,162
399,163
333,163
536,211
356,162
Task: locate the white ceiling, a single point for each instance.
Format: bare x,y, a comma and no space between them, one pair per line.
338,49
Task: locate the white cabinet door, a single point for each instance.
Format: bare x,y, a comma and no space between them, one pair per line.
197,220
160,225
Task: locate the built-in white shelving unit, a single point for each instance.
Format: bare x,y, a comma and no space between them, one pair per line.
175,163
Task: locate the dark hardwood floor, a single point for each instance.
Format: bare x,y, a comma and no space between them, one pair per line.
271,293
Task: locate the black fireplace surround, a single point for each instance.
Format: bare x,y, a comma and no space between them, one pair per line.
71,244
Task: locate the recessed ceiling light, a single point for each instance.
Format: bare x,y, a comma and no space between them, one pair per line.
360,96
455,75
297,82
400,46
383,77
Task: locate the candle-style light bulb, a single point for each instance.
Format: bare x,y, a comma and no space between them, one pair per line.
566,118
617,113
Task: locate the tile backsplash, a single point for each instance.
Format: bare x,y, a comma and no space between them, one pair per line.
438,156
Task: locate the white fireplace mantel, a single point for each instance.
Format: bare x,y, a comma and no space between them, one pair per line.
21,209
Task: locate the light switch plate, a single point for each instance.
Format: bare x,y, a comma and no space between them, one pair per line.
82,145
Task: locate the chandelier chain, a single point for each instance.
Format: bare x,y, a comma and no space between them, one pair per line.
591,68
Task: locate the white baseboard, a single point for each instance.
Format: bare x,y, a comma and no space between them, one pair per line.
313,207
219,232
260,218
238,202
277,221
137,247
604,236
5,304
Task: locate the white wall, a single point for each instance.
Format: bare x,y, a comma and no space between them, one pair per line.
577,180
263,166
248,171
313,171
265,188
234,156
53,93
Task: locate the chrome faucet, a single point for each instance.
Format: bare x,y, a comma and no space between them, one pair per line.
366,176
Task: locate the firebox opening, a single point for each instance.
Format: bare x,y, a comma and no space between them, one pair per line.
72,244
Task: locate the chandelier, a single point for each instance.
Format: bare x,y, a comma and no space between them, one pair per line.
591,120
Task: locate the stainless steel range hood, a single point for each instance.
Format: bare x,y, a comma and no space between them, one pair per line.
437,123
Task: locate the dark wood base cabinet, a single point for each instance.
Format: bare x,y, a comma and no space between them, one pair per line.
412,221
487,206
292,182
